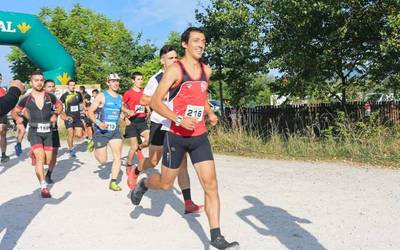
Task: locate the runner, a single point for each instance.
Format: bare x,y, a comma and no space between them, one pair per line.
3,128
50,87
21,130
73,123
168,56
187,98
95,92
137,128
87,123
39,106
106,130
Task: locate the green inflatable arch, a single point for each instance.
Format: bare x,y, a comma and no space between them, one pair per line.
35,40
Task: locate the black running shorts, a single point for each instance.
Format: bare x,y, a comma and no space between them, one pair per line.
156,134
136,128
76,123
56,139
40,140
4,119
175,147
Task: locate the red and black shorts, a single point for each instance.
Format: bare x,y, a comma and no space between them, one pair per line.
40,140
175,147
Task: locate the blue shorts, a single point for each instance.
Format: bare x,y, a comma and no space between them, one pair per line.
102,137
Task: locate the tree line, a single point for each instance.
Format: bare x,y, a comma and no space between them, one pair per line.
323,50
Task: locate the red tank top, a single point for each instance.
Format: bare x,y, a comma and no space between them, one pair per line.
2,92
132,99
188,98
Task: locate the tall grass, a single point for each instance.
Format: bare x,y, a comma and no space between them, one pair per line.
369,142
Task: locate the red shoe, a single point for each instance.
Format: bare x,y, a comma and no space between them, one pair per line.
45,193
33,158
132,179
139,155
190,207
128,169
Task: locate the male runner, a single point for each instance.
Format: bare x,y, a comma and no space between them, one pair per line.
50,87
137,123
168,56
73,123
21,130
40,105
106,131
87,123
95,92
3,128
186,83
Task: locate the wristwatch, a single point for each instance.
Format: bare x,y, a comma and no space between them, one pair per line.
178,120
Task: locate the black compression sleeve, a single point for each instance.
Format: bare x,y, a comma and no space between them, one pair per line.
9,101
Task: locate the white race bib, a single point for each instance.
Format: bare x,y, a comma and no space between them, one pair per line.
74,108
43,128
111,126
195,112
139,109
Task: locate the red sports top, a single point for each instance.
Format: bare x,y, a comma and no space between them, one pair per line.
132,100
188,98
2,91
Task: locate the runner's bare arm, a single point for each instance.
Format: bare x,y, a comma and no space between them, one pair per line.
145,100
15,115
97,102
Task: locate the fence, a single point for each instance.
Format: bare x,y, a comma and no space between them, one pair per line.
306,118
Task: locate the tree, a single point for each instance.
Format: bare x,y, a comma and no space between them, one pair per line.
99,46
326,46
236,49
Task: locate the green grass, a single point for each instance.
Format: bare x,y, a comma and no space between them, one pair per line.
361,142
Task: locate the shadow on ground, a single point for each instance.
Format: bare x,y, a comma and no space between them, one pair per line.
160,199
277,222
17,214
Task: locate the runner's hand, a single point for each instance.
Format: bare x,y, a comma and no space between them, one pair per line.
103,125
19,85
53,119
189,123
69,118
19,120
213,119
130,113
127,121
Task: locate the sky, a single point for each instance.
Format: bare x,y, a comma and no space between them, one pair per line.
154,18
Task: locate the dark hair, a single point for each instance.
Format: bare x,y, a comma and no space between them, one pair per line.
87,97
135,74
95,91
186,34
82,87
47,81
165,49
71,80
36,73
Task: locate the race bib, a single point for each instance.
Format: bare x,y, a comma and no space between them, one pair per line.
139,109
195,112
74,108
111,126
43,128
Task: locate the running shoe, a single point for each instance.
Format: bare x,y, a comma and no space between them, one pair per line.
114,186
221,243
5,158
132,178
138,192
18,149
33,158
90,146
191,207
45,193
72,153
